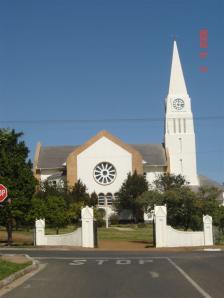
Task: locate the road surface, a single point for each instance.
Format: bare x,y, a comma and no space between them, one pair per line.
123,275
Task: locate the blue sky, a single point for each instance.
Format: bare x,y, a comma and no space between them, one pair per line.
71,60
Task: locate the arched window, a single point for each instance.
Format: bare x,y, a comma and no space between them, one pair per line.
109,198
101,199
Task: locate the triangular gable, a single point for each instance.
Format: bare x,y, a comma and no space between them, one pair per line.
72,158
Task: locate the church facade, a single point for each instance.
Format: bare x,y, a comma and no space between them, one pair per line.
103,162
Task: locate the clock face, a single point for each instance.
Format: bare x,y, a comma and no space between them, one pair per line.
178,104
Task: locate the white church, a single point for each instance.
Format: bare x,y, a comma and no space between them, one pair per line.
103,162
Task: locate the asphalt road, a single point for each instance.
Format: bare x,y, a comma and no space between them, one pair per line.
124,275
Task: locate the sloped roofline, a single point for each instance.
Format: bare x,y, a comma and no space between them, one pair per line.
71,161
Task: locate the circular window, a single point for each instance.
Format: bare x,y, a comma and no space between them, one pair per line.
104,173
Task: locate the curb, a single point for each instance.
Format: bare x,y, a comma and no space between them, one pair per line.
6,281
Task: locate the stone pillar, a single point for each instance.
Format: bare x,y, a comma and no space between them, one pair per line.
208,234
160,225
87,227
40,232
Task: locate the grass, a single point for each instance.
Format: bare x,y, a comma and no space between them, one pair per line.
23,237
136,234
7,268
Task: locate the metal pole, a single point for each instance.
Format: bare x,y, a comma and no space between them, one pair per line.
107,223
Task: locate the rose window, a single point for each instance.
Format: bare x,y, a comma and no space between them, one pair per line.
104,173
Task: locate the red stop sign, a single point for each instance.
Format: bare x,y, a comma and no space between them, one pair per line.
3,193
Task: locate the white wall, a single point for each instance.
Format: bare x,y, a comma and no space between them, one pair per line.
100,151
81,237
182,154
177,238
71,239
166,236
45,173
152,173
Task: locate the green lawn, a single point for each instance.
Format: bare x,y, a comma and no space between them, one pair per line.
7,268
136,234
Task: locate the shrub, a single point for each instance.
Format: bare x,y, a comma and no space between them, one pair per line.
114,219
99,215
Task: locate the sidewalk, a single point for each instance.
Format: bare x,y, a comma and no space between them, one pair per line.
18,259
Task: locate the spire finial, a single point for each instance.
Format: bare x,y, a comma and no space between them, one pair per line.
177,83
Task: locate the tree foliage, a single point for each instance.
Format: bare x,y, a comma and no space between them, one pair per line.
69,203
16,174
79,194
169,181
185,207
130,190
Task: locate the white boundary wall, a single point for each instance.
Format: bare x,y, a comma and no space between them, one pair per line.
71,239
166,236
81,237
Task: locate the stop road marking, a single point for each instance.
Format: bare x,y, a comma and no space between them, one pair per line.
81,262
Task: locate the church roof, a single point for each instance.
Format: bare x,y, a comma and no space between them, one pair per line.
152,154
54,157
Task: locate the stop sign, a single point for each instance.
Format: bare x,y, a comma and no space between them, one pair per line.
3,193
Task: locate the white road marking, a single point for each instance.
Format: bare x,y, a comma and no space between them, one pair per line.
123,262
154,274
101,258
142,262
78,262
101,262
189,279
212,249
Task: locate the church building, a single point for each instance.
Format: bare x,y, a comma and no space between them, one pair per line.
103,162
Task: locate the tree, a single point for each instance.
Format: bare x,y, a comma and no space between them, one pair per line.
57,213
16,174
182,208
207,199
71,201
93,199
220,218
38,209
79,193
130,190
169,181
150,198
52,208
185,207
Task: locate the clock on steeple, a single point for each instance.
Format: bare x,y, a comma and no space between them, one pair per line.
178,104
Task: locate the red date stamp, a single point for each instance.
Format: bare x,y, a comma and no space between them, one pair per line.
203,34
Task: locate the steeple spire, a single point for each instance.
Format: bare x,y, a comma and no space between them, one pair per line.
177,83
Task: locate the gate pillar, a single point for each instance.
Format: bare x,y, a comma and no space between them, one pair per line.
87,227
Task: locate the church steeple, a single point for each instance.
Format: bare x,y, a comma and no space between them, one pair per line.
177,85
179,125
